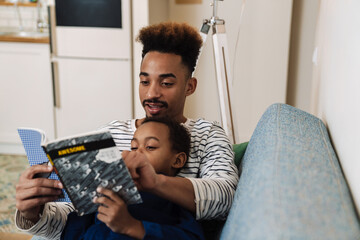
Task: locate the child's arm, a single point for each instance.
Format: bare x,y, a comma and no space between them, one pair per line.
119,220
113,212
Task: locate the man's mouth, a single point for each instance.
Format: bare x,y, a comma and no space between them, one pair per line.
154,107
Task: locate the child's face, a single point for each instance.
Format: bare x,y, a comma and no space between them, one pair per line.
152,139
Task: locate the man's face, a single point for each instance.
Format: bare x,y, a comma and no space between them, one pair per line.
164,85
152,139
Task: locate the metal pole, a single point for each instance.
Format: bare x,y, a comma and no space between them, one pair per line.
222,66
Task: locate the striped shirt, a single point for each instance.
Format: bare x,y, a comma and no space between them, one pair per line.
210,168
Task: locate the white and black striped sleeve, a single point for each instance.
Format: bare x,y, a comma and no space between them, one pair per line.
51,223
217,178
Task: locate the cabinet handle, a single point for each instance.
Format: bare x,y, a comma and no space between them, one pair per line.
55,79
52,29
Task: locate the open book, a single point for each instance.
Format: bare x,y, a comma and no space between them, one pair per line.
82,163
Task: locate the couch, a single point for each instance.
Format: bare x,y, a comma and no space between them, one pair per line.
291,184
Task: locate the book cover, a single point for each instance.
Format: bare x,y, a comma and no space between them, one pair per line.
32,139
85,162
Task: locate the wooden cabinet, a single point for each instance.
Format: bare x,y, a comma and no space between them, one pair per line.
25,4
26,96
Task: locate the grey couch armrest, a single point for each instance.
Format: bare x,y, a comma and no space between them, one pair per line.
291,185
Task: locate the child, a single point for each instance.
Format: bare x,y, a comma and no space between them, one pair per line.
166,145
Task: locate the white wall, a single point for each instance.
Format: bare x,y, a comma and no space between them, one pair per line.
258,55
259,62
144,12
337,82
303,27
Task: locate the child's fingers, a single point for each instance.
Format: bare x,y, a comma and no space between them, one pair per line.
103,210
124,154
107,192
103,200
107,207
110,194
102,216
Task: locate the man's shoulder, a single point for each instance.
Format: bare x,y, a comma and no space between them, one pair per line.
205,130
200,123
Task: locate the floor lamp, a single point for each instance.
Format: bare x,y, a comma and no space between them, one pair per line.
222,64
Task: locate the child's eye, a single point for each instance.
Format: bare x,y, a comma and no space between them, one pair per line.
134,148
150,148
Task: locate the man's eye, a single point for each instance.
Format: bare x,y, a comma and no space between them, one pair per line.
144,82
167,84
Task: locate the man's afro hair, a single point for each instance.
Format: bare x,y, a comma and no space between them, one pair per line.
170,37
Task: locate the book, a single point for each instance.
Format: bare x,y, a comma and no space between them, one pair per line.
83,163
32,139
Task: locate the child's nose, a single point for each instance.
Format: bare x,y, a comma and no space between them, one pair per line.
140,149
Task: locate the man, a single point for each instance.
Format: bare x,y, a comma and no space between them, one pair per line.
205,185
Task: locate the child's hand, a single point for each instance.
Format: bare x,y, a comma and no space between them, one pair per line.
114,213
141,170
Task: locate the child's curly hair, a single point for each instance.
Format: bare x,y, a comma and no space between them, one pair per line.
170,37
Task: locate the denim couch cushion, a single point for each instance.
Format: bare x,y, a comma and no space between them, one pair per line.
291,185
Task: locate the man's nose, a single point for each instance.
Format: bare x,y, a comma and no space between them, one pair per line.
153,91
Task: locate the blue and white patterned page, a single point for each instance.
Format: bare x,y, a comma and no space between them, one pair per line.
31,140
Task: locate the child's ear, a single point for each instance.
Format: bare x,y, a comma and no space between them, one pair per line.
180,160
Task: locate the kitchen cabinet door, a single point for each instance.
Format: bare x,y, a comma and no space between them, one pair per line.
91,93
26,94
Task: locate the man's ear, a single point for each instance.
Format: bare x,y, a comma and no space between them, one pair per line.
191,86
180,160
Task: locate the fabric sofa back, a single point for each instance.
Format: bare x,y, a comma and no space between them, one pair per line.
291,184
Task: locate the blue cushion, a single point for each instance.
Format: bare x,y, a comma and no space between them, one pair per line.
291,185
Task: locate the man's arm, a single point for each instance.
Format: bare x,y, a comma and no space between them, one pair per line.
217,176
178,190
35,215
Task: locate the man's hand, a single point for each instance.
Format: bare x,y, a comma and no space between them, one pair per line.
114,213
142,172
32,193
